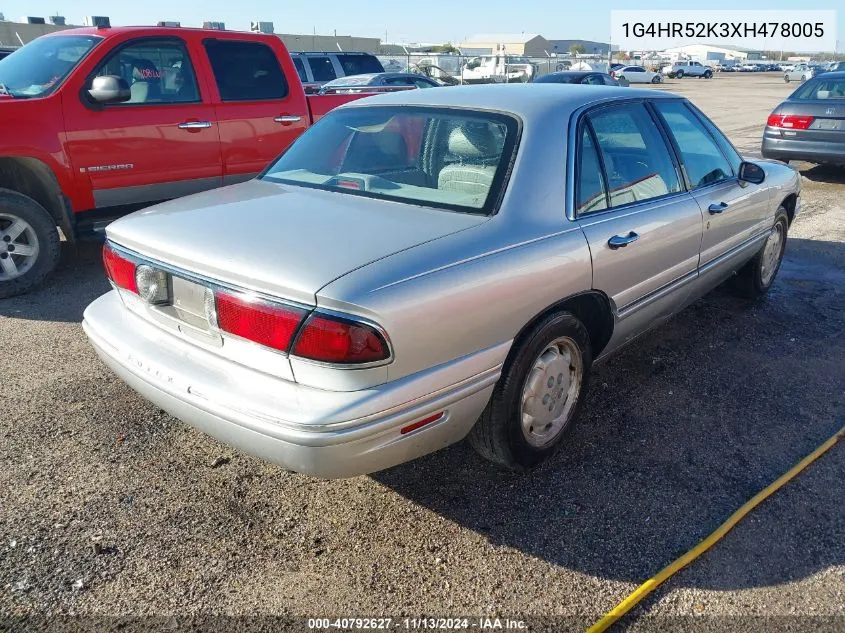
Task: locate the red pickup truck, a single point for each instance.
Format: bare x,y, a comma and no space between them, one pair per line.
98,122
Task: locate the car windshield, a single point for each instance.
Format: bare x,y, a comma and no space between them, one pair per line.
821,89
437,157
39,68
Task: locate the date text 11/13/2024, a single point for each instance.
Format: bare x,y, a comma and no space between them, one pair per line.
363,624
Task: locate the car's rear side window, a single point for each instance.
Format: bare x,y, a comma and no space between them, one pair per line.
821,89
321,67
359,64
246,71
637,162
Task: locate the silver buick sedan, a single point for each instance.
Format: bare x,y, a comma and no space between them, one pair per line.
424,266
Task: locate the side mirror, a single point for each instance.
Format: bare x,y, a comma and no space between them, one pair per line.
751,172
110,89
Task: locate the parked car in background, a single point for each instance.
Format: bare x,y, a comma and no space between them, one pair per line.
636,75
446,272
316,69
354,83
683,69
98,122
749,67
810,124
578,77
801,72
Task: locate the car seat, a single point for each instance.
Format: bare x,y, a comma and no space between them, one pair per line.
146,82
477,152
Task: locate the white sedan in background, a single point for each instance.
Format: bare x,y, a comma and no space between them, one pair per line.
801,72
637,75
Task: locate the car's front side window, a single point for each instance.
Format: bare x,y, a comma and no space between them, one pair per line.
702,159
637,163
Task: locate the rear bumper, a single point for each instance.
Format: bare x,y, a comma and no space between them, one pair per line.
800,149
322,433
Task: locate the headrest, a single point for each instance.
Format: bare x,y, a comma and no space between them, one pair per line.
473,140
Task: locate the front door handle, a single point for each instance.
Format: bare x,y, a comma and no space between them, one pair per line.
715,209
288,118
194,125
618,241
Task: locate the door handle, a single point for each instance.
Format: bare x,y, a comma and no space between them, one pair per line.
288,118
618,241
715,209
194,125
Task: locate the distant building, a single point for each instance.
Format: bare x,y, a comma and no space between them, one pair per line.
528,44
330,43
704,52
563,47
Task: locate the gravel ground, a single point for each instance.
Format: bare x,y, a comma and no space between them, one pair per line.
111,508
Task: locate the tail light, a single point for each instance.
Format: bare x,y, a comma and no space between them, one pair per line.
271,325
790,121
120,270
339,340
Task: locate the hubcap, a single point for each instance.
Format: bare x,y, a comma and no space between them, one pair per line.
18,247
771,254
551,392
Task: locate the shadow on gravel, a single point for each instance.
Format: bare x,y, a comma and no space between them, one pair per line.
76,282
679,430
829,174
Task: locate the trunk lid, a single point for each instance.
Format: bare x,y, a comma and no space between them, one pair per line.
277,239
828,119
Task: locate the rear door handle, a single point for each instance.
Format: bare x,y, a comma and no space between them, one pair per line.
194,125
618,241
715,209
288,118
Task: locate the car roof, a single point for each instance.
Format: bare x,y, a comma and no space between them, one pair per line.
834,74
523,100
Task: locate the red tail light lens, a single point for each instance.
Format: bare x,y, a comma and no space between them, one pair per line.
119,269
258,321
790,121
337,340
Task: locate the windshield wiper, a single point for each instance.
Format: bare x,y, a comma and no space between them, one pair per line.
5,91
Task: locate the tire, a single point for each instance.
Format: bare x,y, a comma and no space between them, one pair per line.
707,74
679,74
655,79
25,225
786,78
757,276
500,434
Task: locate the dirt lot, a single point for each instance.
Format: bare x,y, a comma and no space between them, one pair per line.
108,507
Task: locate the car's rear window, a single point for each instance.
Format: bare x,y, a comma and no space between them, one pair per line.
821,89
438,157
359,64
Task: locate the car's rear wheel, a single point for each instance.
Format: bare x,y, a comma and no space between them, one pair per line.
757,276
655,79
786,78
29,244
708,74
538,395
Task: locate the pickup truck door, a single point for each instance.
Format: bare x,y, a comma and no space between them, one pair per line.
162,143
735,213
261,107
642,226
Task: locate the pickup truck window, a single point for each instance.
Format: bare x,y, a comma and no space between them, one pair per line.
359,64
246,71
37,69
322,68
436,157
157,70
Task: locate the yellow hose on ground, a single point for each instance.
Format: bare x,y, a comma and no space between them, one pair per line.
652,583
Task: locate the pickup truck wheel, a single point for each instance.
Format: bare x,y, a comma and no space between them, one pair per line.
29,244
708,74
538,395
758,275
679,74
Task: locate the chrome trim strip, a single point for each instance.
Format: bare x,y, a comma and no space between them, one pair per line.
153,193
719,259
655,295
